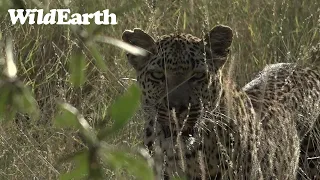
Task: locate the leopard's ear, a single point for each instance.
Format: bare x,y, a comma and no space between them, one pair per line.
139,38
218,42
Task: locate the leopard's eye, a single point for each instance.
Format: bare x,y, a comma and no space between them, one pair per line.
157,75
198,76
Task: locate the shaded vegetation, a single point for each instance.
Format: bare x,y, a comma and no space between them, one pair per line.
61,65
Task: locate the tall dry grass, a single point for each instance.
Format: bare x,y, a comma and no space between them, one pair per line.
266,31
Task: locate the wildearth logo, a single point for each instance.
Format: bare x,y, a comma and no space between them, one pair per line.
61,17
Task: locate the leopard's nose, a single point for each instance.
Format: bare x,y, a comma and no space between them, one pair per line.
178,106
179,97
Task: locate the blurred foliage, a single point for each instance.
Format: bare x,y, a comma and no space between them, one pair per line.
72,74
16,97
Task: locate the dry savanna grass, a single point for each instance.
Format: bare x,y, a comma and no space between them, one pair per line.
266,31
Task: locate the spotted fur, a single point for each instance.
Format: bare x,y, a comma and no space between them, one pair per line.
298,89
198,123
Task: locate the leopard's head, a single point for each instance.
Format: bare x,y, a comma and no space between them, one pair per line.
178,72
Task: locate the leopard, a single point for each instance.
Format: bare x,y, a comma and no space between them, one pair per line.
298,88
198,123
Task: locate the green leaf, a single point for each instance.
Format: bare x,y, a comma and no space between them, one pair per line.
8,109
98,58
67,116
82,167
15,97
118,159
125,106
77,69
4,95
87,163
25,102
71,156
122,110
